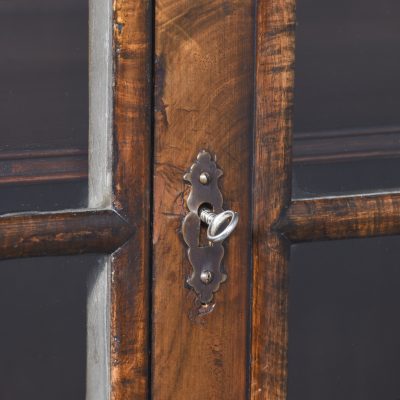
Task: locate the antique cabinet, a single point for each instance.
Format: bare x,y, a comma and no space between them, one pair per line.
152,84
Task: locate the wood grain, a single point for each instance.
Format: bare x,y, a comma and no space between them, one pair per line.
203,100
130,313
61,233
341,217
271,194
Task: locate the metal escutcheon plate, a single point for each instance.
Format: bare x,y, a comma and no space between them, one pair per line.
206,260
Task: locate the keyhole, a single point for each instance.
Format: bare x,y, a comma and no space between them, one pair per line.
203,240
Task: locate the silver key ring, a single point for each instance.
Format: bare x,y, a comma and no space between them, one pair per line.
216,221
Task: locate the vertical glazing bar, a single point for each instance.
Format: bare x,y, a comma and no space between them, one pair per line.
274,98
100,103
100,193
132,170
120,169
98,333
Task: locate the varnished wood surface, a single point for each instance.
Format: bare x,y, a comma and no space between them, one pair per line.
61,233
342,217
203,100
271,194
130,313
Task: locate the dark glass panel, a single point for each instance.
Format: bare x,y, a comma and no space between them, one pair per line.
43,73
347,64
43,104
312,180
347,102
344,330
43,197
43,334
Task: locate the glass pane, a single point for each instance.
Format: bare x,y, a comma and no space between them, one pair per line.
344,330
44,197
347,95
43,334
310,180
43,104
43,73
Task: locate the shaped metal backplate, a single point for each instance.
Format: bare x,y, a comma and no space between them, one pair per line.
205,260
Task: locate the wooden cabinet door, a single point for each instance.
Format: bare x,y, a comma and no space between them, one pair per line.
204,63
44,77
224,82
180,77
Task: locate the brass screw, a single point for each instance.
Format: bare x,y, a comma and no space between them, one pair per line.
204,178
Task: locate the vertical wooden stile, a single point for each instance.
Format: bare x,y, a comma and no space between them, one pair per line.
132,160
271,191
203,100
